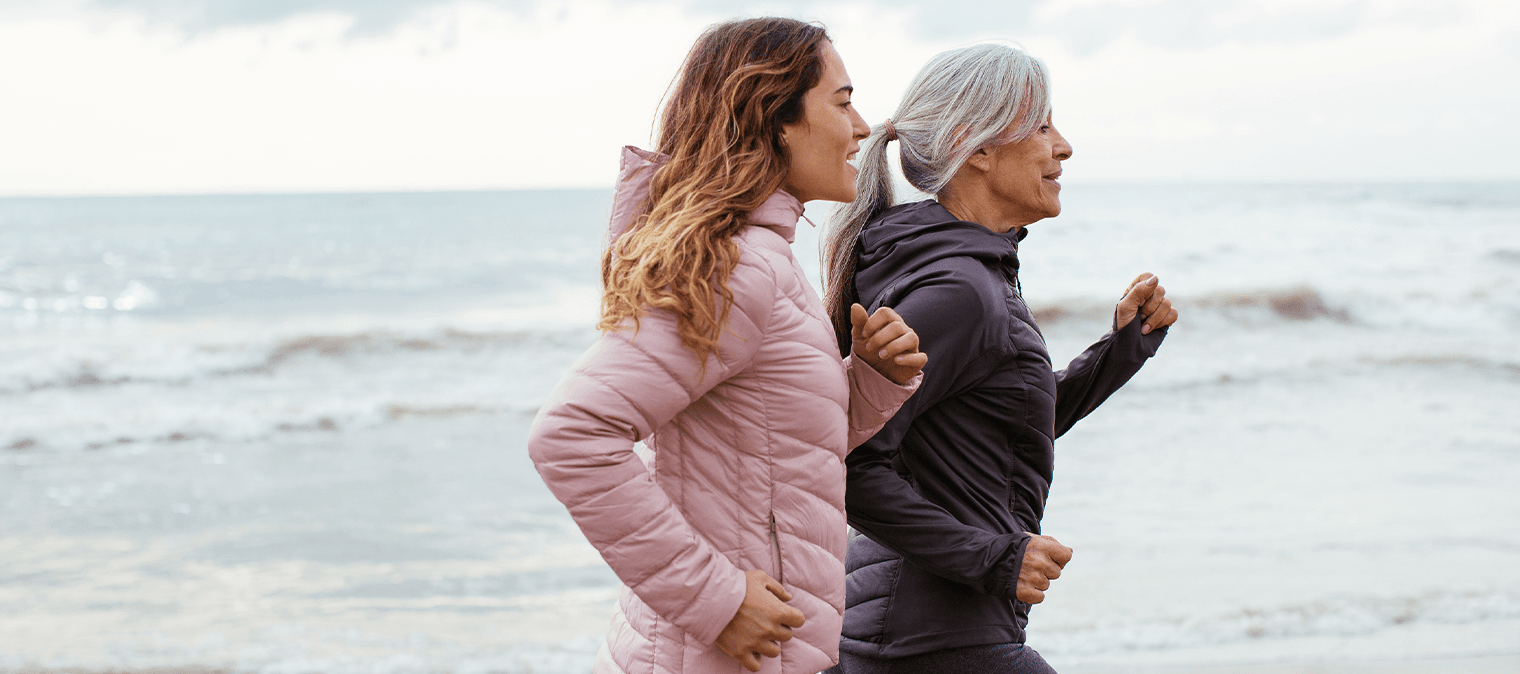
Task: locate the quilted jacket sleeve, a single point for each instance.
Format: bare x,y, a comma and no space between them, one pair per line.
623,388
1099,371
873,398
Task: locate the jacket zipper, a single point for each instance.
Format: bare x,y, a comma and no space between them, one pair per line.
776,545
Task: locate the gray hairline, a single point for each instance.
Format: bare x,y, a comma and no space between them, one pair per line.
962,84
944,98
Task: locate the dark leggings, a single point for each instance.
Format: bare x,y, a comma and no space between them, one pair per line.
991,659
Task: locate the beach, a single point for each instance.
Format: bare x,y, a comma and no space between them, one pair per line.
285,433
1479,665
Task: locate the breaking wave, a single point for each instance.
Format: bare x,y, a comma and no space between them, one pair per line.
206,361
1289,304
304,384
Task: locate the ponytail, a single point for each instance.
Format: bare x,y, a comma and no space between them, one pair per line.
841,243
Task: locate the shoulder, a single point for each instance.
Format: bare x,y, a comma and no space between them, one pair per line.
763,256
756,281
763,248
964,284
953,303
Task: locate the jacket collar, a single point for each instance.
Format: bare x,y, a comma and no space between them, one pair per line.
909,237
779,214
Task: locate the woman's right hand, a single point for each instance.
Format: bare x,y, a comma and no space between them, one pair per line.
885,342
763,621
1147,299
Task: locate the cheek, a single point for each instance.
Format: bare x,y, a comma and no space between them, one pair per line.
799,152
817,161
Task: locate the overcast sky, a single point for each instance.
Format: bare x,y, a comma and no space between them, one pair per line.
187,96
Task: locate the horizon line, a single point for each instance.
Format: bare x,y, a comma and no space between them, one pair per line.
1100,182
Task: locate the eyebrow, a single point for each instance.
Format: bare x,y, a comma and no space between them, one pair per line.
848,88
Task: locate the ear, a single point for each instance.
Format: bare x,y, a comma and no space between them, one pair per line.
782,133
981,160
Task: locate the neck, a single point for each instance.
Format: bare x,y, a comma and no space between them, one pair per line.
971,201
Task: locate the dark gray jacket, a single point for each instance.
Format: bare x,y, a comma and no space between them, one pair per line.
944,494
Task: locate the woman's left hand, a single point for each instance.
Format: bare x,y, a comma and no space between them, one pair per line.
1147,298
887,343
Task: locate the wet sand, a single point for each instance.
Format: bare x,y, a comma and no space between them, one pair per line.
1497,664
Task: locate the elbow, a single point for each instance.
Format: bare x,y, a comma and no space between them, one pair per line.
540,450
542,445
565,441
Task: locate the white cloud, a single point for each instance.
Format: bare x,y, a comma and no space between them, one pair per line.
259,96
1394,99
459,99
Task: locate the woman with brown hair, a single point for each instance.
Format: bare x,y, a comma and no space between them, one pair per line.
729,534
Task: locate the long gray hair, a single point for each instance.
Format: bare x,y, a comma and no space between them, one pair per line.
963,100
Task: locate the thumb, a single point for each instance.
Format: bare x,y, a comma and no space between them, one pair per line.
858,318
1142,285
1140,290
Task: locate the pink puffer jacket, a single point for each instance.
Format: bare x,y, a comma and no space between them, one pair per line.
745,466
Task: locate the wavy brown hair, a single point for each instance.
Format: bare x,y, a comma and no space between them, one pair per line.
721,129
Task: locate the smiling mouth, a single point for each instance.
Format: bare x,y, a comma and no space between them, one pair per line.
1054,177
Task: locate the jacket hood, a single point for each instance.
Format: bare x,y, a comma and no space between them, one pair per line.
905,238
636,168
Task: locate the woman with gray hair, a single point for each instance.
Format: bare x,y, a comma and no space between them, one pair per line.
948,497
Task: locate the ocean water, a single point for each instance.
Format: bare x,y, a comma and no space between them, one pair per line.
285,433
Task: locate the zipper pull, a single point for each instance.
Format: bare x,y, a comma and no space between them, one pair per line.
776,543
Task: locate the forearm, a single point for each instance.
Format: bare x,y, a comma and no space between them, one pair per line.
873,399
1101,370
633,524
582,446
883,506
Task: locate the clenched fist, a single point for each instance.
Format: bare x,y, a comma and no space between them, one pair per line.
1147,298
887,343
1043,560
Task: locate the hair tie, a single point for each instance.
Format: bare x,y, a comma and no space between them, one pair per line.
891,132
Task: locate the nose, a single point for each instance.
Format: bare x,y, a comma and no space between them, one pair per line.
1060,149
858,125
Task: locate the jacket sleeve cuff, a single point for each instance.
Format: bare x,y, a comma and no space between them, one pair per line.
873,398
717,608
1135,346
1015,562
